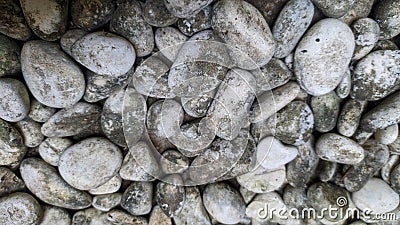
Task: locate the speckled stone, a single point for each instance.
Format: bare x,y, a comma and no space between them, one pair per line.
20,208
195,23
156,14
360,9
30,131
193,211
273,75
272,154
12,148
169,41
93,14
333,8
9,182
325,110
106,202
173,161
10,56
121,217
185,8
344,87
54,215
170,195
387,169
386,13
12,20
111,186
366,34
14,100
349,117
260,180
137,198
51,148
70,37
39,112
269,9
158,216
111,118
387,135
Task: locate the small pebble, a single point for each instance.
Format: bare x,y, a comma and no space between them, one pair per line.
170,196
39,112
156,14
193,211
9,182
54,215
10,55
14,100
121,217
325,110
137,198
20,208
91,15
272,154
195,23
387,169
12,20
349,117
185,8
366,34
12,148
386,13
51,148
387,135
106,202
30,131
111,186
157,216
260,180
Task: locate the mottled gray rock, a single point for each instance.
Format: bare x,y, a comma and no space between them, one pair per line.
44,67
128,21
269,9
197,106
90,163
273,200
12,148
12,20
90,216
137,198
227,119
260,180
9,182
220,198
327,170
235,22
170,195
10,56
45,183
387,169
386,13
360,9
376,75
156,14
295,197
376,155
158,216
325,110
72,121
336,148
349,117
111,186
290,25
51,149
385,45
20,208
193,211
169,40
395,146
104,53
54,215
121,217
344,87
274,74
30,131
333,8
14,100
272,154
300,171
377,196
173,161
387,135
139,164
366,34
70,37
292,124
47,18
106,202
185,8
246,194
395,178
93,14
329,42
111,118
39,112
196,22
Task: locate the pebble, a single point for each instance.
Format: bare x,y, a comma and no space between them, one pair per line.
328,42
366,34
227,119
10,56
387,135
376,156
327,196
260,180
20,208
128,22
395,178
247,195
90,216
197,106
385,45
292,124
291,24
47,18
111,186
300,170
379,66
273,75
235,21
275,99
120,217
295,197
51,148
376,196
47,81
327,170
14,100
196,22
157,216
360,9
185,8
30,131
90,163
106,202
193,211
137,198
54,215
12,148
70,37
104,53
151,79
336,148
200,65
170,195
39,112
349,117
344,87
272,200
386,13
139,164
45,183
325,110
173,161
220,198
169,41
71,121
332,8
387,169
112,118
91,15
272,154
156,14
395,146
12,20
9,182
